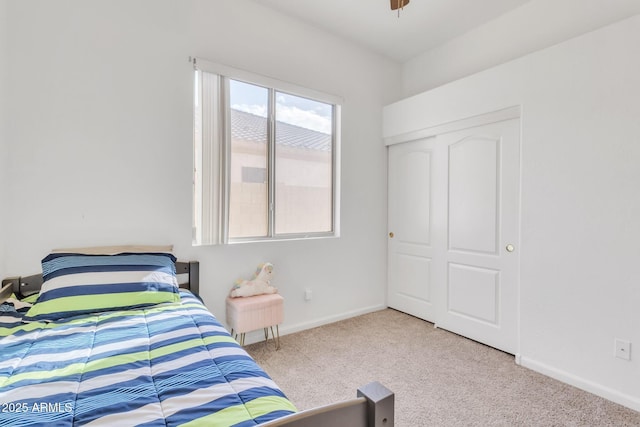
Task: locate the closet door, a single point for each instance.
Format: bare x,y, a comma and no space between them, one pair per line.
410,243
479,287
454,231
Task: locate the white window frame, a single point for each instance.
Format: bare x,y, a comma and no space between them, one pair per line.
212,154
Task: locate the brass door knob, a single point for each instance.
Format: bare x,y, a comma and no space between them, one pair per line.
391,235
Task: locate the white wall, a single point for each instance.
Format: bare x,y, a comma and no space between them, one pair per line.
579,190
3,140
101,142
533,26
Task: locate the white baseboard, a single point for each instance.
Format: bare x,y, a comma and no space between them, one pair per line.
257,336
583,384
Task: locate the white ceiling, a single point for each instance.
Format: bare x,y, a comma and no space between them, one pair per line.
422,25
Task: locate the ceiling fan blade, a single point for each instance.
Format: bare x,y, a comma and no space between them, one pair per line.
398,4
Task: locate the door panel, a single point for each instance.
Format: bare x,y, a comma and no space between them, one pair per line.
410,251
473,198
474,293
414,276
414,199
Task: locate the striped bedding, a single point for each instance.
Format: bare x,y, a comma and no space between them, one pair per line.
170,364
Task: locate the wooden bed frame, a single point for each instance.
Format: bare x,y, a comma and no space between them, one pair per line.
373,406
24,286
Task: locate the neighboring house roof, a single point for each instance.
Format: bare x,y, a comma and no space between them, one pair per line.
250,127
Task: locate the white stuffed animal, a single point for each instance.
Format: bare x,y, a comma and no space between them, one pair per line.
260,284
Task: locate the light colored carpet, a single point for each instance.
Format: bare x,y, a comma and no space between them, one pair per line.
439,378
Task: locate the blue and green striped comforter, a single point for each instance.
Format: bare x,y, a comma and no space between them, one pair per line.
171,364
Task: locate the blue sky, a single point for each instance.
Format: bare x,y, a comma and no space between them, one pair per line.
290,109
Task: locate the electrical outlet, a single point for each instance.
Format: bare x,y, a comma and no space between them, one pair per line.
623,349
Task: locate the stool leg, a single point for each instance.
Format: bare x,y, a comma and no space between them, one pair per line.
276,339
266,335
242,339
235,336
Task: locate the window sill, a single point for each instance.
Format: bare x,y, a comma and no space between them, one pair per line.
290,238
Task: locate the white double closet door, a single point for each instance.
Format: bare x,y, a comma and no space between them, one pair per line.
453,231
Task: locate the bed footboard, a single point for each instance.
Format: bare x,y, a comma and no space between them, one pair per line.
5,291
374,407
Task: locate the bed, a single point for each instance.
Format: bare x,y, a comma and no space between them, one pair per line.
119,339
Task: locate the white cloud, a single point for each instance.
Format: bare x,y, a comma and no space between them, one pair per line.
292,115
258,110
304,118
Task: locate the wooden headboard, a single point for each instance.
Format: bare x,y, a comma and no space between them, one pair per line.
26,285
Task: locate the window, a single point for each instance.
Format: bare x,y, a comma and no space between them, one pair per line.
265,156
250,174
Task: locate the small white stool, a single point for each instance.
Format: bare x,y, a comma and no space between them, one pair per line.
246,314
